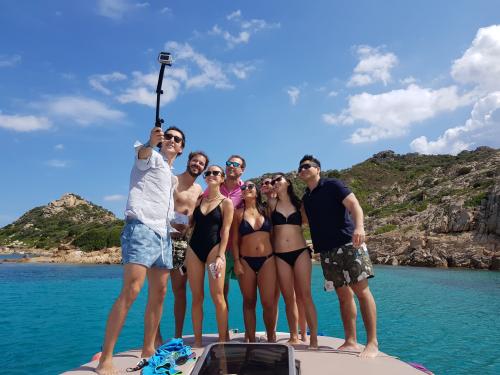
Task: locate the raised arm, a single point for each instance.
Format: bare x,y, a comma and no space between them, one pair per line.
351,203
155,137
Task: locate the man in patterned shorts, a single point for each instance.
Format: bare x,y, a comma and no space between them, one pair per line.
337,231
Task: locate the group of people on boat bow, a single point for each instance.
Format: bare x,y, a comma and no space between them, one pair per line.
236,229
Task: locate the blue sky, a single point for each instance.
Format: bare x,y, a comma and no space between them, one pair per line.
271,80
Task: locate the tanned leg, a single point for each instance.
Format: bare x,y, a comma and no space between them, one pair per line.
157,288
179,288
133,279
196,277
348,313
369,314
286,279
217,294
302,273
248,287
267,282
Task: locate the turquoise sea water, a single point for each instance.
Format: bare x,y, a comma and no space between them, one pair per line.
52,317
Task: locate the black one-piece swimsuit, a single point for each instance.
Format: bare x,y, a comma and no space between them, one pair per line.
206,233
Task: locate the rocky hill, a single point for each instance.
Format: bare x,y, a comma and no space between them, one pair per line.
429,210
69,222
421,210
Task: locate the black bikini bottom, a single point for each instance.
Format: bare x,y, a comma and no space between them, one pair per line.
291,256
256,263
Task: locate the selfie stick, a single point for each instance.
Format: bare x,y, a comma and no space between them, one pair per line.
164,58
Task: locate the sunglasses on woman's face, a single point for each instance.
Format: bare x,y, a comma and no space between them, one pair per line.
169,136
234,164
305,166
277,179
267,182
247,186
212,173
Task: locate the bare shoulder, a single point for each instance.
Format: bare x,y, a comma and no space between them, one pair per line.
228,204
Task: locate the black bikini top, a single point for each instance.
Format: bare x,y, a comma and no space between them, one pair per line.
245,227
294,218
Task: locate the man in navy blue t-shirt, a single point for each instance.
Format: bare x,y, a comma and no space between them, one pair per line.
337,231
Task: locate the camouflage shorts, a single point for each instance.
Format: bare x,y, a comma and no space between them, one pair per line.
345,265
179,248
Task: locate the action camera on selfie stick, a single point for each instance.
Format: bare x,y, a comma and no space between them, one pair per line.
164,58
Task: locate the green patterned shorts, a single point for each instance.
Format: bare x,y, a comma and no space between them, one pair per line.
179,248
345,265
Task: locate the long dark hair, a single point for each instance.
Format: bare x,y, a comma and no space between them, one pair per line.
297,203
261,207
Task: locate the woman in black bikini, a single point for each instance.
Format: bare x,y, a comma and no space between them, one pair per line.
212,221
254,262
293,257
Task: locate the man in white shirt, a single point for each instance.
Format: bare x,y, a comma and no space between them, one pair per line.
146,243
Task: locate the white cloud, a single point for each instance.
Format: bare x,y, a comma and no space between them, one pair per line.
97,81
235,14
142,5
21,123
246,29
408,80
482,128
241,70
143,89
374,66
293,93
59,147
332,94
56,163
84,111
114,9
114,198
480,64
9,61
211,71
166,10
193,71
390,114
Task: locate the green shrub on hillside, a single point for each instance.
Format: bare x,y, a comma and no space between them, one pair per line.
93,239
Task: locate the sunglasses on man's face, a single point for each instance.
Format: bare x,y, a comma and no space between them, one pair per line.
169,136
247,186
277,179
234,164
306,166
212,173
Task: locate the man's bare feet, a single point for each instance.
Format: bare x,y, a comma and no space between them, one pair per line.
106,368
370,351
350,347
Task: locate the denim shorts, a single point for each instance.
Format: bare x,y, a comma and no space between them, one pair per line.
142,245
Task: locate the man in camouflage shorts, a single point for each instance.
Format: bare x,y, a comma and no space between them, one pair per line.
336,222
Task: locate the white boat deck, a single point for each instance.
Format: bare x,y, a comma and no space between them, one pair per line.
326,360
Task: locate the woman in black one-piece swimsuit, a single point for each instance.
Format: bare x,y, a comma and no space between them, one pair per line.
212,221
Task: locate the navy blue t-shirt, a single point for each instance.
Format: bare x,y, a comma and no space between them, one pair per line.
330,222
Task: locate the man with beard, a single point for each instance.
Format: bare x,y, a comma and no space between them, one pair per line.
186,196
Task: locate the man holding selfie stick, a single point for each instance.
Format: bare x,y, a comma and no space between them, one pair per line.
146,243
